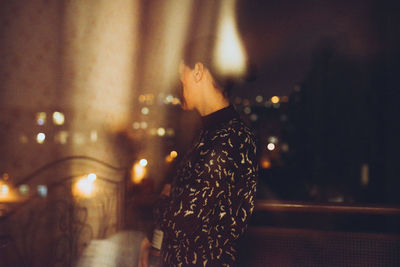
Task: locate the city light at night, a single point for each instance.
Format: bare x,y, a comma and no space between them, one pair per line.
85,187
4,190
58,118
136,125
173,154
145,110
40,138
24,189
61,137
143,125
160,131
138,171
92,177
273,139
265,164
143,162
275,99
42,190
41,118
270,146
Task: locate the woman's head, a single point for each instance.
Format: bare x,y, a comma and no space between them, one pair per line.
201,50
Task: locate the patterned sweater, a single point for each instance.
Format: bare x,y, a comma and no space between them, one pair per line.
212,195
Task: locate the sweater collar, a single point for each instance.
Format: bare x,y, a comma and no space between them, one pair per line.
218,117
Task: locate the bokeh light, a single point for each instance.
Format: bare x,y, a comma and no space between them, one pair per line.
145,110
58,118
92,177
4,190
143,125
161,131
138,172
85,186
42,190
93,136
173,154
271,146
41,118
275,99
40,137
265,163
136,125
273,139
24,189
143,162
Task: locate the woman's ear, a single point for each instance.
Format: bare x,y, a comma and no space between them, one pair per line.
198,71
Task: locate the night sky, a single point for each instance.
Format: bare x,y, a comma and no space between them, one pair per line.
282,37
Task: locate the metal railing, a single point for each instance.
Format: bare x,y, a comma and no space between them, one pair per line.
264,205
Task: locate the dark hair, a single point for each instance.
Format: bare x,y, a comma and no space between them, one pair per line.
202,50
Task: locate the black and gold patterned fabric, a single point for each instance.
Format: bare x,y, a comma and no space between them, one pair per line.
212,195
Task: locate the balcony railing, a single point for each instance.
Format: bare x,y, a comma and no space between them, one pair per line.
273,206
310,234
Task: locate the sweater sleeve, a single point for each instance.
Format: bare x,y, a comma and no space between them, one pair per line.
236,205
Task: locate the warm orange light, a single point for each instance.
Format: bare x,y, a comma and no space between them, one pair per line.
149,99
230,54
173,154
176,101
142,98
7,193
275,99
265,164
138,172
85,187
168,159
